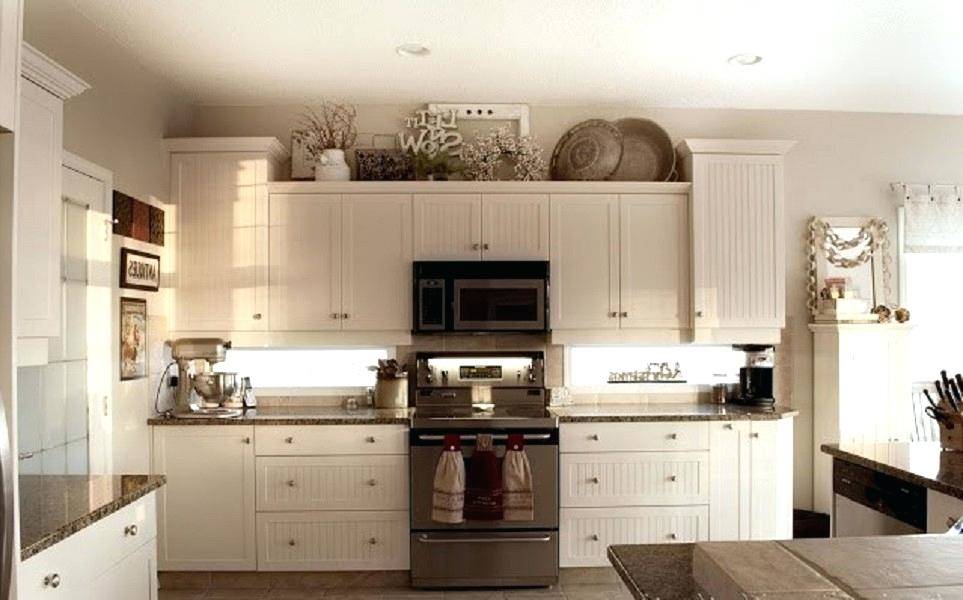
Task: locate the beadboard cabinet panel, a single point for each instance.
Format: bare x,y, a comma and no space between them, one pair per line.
515,227
305,262
633,437
332,483
584,261
654,261
39,212
634,479
447,226
376,262
586,533
730,470
220,227
333,541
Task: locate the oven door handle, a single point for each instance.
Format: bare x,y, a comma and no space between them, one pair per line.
424,539
499,437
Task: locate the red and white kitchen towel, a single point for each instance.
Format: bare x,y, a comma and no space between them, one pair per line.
490,490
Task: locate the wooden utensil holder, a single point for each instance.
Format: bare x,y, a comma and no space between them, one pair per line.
952,439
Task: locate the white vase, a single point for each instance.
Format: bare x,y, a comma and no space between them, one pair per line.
331,166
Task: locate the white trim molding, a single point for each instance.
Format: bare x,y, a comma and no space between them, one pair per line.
478,187
270,145
735,146
45,72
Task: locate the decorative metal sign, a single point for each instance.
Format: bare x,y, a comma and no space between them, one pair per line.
435,133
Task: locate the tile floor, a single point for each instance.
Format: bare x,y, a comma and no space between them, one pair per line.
575,584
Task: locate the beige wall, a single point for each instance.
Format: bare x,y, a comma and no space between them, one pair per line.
118,124
841,166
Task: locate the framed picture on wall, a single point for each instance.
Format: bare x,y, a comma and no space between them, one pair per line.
139,270
133,338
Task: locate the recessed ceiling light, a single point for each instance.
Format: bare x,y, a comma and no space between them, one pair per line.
413,50
745,60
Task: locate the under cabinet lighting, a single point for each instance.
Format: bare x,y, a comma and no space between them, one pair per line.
413,50
745,60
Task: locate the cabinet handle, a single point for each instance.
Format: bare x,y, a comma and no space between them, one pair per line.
624,314
594,537
52,580
289,440
594,480
372,482
485,247
291,483
373,541
345,316
594,437
476,246
130,530
292,543
671,477
246,440
370,439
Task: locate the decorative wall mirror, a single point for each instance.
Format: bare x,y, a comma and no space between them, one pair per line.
850,269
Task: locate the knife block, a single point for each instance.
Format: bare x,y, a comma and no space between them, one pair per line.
952,439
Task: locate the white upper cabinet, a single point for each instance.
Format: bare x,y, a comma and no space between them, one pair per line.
515,227
11,16
448,226
738,238
305,262
220,230
376,262
44,88
654,261
584,291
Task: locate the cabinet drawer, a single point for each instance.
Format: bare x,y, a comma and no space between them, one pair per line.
633,437
297,440
300,483
332,541
124,532
586,533
634,479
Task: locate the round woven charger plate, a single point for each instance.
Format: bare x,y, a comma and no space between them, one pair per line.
590,151
647,153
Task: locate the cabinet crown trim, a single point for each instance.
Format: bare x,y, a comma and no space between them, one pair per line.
734,146
45,72
269,145
478,187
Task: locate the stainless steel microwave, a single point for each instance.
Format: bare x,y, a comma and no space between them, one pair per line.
486,296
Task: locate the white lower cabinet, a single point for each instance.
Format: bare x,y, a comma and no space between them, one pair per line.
586,533
333,540
664,482
113,559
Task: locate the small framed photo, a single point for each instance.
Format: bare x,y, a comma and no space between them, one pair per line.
139,270
133,338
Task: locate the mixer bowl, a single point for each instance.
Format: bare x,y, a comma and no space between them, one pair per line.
215,387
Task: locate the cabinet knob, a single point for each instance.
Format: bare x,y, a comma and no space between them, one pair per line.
335,316
671,477
672,536
754,434
485,247
624,314
476,246
289,440
594,437
130,530
372,482
257,316
246,440
727,426
291,483
373,541
594,537
593,480
52,580
345,316
673,436
370,439
292,543
613,314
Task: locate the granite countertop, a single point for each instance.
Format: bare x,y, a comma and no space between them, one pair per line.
588,413
892,567
54,507
302,415
922,463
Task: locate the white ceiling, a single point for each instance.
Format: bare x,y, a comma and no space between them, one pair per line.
854,55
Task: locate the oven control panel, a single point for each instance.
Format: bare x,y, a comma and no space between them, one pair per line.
522,369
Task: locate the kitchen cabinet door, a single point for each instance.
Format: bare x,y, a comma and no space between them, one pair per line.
39,212
376,262
11,12
220,232
205,513
770,487
729,480
654,261
134,578
515,227
447,226
584,240
305,262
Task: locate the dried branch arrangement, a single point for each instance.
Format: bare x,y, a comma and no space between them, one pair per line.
330,126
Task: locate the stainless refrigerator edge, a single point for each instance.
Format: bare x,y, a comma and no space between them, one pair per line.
6,506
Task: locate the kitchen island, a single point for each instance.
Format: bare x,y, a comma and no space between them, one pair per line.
871,567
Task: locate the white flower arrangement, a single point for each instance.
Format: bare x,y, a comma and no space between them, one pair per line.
481,156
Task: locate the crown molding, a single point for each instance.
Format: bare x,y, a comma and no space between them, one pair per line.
269,145
42,70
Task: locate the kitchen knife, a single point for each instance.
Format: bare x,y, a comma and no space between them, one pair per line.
959,382
949,392
929,399
955,394
939,390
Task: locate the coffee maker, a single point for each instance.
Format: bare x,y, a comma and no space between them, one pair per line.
755,378
199,388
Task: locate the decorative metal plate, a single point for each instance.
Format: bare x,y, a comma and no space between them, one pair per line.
647,153
590,151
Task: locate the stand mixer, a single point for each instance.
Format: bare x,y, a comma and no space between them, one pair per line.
200,391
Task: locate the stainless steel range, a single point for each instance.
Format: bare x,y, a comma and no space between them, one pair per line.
468,395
